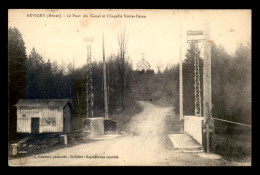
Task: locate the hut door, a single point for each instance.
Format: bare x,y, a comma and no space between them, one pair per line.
35,125
64,124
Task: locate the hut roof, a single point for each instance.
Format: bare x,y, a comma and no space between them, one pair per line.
43,103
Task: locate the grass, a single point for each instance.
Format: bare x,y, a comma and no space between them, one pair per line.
173,123
233,147
124,117
46,143
121,117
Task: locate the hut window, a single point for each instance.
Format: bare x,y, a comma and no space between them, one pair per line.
49,122
53,121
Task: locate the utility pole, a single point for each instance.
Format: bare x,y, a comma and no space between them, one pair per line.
89,84
180,74
72,75
207,101
105,81
108,85
181,85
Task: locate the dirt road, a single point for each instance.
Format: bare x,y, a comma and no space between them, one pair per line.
146,144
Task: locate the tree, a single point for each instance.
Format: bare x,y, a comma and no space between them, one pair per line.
16,75
159,65
34,69
231,86
46,80
122,59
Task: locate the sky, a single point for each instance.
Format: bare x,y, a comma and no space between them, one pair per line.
160,36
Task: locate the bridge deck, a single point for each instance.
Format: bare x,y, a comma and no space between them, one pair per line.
184,142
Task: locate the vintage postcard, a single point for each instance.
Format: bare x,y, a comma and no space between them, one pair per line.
129,87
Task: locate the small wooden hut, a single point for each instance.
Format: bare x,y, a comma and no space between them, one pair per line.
44,115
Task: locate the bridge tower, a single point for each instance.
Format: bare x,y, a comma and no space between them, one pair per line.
195,37
208,123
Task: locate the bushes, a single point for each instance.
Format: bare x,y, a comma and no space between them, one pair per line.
236,147
123,117
232,141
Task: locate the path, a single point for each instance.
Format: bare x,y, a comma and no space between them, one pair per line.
147,144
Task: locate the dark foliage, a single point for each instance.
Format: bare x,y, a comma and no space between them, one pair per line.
16,76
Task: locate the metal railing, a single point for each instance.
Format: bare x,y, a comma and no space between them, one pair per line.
232,122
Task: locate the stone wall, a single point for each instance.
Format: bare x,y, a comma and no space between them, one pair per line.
95,126
193,127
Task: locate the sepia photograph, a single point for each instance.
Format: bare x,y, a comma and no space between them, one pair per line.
129,87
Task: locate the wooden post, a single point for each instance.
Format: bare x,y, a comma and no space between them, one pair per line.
14,149
78,97
207,102
105,81
180,74
65,139
181,85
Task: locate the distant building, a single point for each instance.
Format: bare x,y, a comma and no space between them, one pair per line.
143,65
44,115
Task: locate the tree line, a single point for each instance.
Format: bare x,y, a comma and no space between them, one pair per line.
231,85
31,77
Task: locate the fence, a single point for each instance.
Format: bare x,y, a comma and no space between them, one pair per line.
242,124
232,140
34,143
